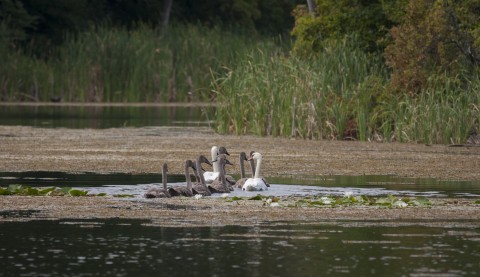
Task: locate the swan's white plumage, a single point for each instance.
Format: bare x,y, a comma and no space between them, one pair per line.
257,183
254,184
212,175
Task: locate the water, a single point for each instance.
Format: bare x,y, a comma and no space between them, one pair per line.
98,116
136,247
137,184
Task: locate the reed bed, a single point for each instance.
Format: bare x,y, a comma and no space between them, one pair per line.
272,94
341,94
120,65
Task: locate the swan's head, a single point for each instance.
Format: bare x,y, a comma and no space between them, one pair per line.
214,151
223,150
222,159
255,156
189,163
243,156
203,159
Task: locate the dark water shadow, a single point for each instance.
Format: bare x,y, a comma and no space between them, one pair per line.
104,116
135,247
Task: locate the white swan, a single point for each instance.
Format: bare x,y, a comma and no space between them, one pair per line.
257,183
209,176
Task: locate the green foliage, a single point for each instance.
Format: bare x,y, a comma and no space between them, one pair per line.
430,40
365,20
14,22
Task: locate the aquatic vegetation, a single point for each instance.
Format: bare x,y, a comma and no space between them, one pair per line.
123,195
50,191
388,201
348,199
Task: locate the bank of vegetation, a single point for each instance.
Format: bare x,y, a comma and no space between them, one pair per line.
395,70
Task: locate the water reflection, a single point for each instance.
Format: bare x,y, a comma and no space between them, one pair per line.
104,116
128,247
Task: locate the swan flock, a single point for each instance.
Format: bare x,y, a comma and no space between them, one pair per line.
215,181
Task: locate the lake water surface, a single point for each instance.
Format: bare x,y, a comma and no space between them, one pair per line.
136,247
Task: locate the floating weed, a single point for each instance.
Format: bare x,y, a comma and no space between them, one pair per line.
77,192
477,202
236,198
50,191
256,197
123,195
361,200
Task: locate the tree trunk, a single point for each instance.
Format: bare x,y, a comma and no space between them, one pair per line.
167,7
311,6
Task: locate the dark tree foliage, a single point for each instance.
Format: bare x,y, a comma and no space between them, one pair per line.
45,22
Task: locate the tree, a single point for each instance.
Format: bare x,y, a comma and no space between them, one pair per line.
432,39
15,21
335,19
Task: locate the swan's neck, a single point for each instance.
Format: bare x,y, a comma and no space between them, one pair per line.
252,167
257,169
242,167
222,173
199,172
187,177
164,179
214,153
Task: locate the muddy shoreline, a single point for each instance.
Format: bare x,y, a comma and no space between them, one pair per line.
143,150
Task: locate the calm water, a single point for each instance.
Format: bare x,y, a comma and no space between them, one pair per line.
133,247
137,184
103,116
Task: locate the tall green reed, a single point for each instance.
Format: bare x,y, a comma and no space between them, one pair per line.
141,64
269,93
341,94
442,114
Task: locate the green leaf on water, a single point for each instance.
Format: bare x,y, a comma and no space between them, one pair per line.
14,189
123,195
31,191
421,201
236,198
102,194
65,190
4,191
46,191
257,197
383,201
477,202
77,192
